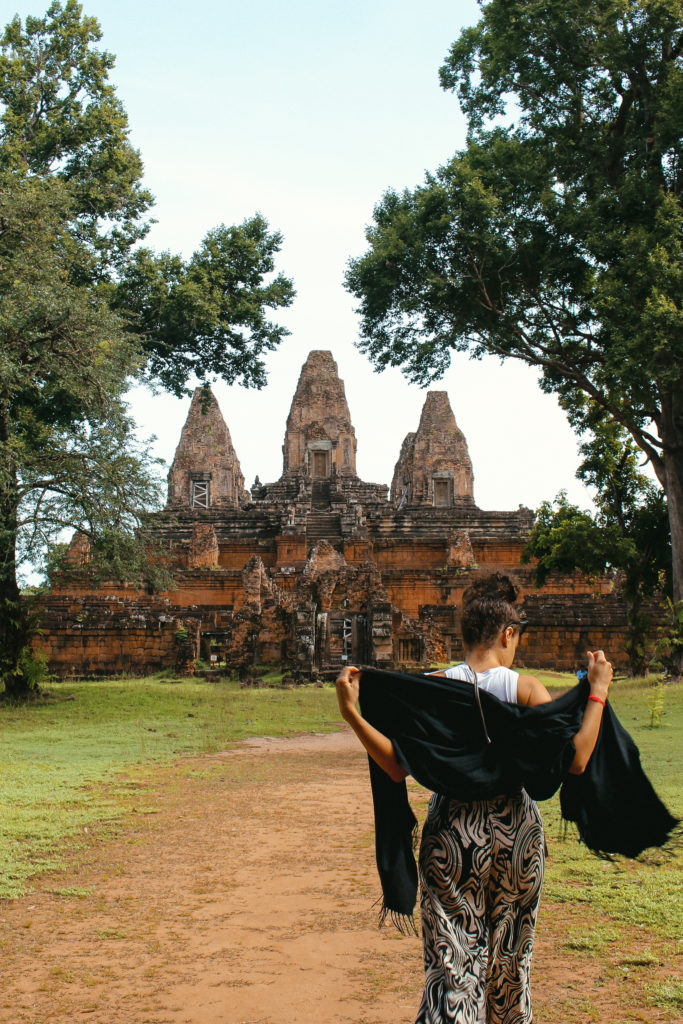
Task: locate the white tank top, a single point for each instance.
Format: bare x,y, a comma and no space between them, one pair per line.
500,681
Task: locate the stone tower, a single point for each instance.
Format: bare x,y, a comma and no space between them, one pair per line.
434,466
320,441
206,471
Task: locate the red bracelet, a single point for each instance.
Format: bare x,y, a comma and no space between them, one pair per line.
599,700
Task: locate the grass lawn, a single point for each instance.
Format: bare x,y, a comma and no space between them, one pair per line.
67,763
633,908
72,761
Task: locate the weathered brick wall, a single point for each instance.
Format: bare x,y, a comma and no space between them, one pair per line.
562,627
561,630
104,636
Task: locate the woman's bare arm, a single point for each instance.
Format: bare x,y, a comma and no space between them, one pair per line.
379,747
599,677
531,691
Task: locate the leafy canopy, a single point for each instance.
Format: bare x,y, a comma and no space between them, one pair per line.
556,235
218,299
628,531
60,119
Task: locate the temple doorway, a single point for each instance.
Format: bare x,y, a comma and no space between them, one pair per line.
442,492
319,465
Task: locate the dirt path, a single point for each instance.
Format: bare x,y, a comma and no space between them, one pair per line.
240,892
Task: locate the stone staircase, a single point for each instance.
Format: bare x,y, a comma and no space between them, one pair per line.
323,526
320,494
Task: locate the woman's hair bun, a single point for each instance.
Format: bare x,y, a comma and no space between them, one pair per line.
493,585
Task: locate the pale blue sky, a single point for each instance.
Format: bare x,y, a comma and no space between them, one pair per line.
308,112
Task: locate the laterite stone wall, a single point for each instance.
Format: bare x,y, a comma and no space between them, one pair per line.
90,637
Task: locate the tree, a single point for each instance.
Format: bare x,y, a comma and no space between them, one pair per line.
555,237
628,536
68,453
83,311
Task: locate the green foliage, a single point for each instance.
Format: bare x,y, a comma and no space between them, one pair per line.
71,207
207,316
565,538
21,671
113,554
555,237
628,503
627,539
669,648
630,529
69,457
33,667
60,118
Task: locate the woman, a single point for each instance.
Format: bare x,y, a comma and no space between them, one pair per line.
481,861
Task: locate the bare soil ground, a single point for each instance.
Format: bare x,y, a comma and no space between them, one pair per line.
240,891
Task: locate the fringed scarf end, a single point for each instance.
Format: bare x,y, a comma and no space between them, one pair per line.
403,923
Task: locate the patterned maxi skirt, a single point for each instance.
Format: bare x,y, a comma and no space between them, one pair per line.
481,871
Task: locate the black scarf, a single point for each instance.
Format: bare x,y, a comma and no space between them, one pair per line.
457,747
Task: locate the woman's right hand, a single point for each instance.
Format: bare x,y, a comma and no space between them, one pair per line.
347,685
599,679
600,674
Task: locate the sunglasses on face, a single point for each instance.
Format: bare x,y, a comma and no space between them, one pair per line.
519,626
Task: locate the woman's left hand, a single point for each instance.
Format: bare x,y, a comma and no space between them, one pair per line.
347,684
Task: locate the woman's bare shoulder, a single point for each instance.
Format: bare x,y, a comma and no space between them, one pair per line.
531,691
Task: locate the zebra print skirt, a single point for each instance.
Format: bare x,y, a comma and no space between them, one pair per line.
481,871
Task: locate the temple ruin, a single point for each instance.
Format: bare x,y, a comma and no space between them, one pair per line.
319,567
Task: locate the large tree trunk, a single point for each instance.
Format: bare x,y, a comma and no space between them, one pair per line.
15,626
674,497
14,619
672,481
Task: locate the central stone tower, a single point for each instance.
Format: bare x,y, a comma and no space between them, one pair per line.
319,453
320,441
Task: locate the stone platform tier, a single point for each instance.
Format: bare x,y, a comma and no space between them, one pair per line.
330,492
283,534
262,523
423,523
